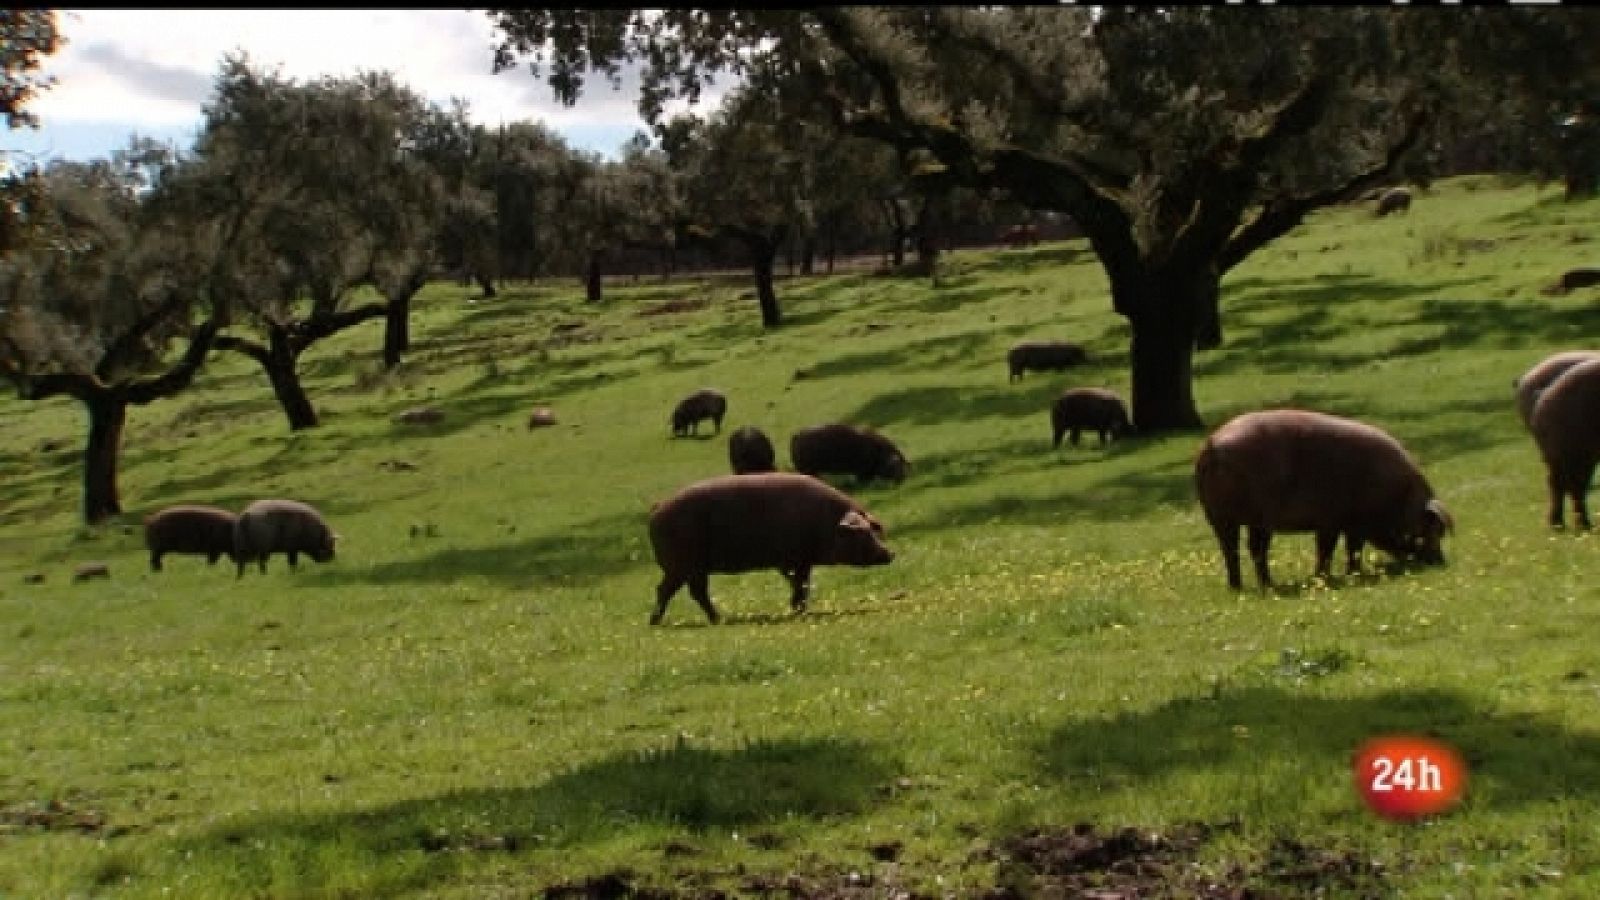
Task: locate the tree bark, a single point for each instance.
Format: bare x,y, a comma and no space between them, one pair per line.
926,237
397,318
108,413
897,233
280,361
396,331
808,253
763,257
1164,310
1208,317
592,283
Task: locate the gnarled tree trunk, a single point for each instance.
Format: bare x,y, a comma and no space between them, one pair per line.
281,359
1164,310
593,286
763,260
108,413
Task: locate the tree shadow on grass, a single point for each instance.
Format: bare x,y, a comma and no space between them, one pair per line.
410,845
931,353
937,404
1515,759
1122,496
1308,338
576,555
1051,254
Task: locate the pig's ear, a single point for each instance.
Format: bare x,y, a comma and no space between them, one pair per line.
855,520
1439,514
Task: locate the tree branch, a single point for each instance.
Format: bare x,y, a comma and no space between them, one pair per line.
245,346
1282,214
182,372
1227,182
56,384
304,333
1065,184
117,354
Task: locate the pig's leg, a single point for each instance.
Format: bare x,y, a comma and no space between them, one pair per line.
1326,540
800,581
669,585
700,589
1228,539
1260,540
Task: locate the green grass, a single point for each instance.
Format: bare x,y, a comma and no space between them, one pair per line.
468,702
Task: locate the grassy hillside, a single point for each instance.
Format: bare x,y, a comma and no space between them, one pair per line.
468,701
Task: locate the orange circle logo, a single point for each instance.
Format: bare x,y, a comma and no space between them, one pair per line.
1408,777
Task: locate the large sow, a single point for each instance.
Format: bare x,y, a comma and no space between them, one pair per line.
1295,471
706,403
189,528
840,448
281,526
767,520
1534,381
1566,426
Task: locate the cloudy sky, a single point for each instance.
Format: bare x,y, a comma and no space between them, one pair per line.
127,71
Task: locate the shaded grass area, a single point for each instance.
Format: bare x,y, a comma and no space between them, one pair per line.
428,840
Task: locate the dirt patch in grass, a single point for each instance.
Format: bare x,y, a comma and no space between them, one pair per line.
680,305
53,816
1078,862
1130,863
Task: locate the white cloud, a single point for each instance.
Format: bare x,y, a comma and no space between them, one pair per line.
152,70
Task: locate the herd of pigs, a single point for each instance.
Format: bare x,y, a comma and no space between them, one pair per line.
1276,470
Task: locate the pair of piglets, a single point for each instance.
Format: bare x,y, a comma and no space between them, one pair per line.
766,520
1294,470
1559,401
264,528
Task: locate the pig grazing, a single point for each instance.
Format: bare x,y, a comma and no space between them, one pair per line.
1088,409
1566,426
202,530
1296,471
750,450
840,448
281,526
705,403
1042,356
1534,381
1393,200
766,520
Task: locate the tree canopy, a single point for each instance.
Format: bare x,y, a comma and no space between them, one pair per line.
1180,139
26,37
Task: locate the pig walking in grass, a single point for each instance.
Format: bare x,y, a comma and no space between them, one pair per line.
705,403
1088,409
1566,426
1296,471
202,530
1534,381
1043,356
281,526
768,520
